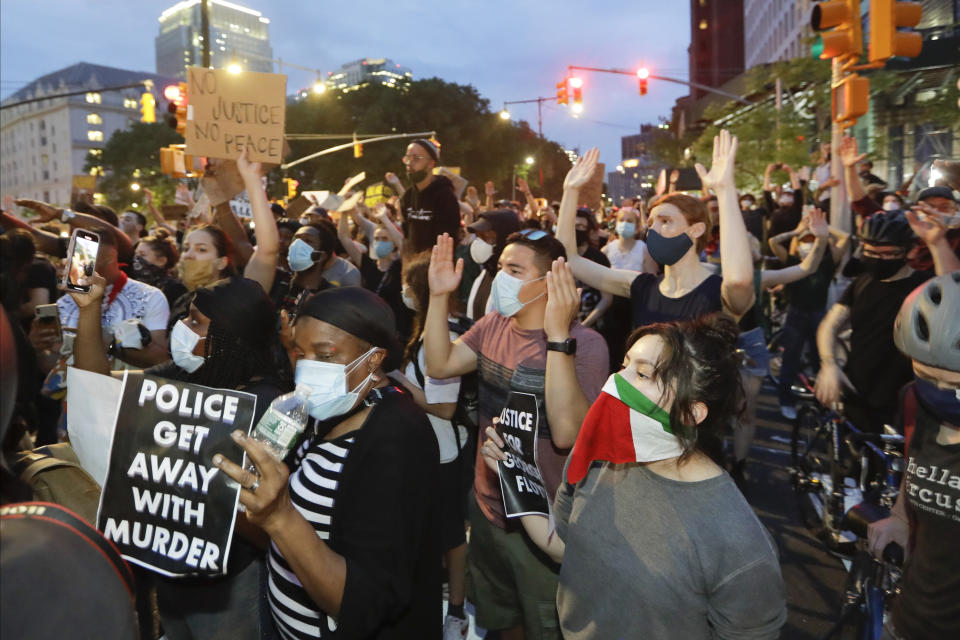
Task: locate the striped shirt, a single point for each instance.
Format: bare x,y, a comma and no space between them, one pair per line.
313,485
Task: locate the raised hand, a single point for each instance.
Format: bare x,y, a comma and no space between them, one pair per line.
472,196
442,275
930,227
563,301
583,170
848,152
489,188
46,212
817,223
724,160
248,170
97,286
147,196
522,186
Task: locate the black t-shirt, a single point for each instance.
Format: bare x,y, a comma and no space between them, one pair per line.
40,274
753,220
784,219
428,214
810,293
929,605
389,286
650,306
590,297
875,366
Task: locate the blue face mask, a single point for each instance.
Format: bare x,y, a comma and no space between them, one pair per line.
300,255
943,403
626,229
383,248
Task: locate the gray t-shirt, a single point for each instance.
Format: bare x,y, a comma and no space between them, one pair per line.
342,274
649,557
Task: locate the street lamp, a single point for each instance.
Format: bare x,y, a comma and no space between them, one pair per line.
504,115
319,88
529,160
577,109
234,67
134,186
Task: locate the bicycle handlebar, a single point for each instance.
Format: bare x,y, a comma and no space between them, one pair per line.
894,438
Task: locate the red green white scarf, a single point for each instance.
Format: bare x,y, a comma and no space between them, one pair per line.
622,425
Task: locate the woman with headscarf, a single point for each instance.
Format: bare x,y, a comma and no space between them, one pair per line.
354,536
227,342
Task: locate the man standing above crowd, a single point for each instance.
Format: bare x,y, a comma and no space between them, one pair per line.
430,207
530,343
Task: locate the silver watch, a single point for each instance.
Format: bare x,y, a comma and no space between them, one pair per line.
67,216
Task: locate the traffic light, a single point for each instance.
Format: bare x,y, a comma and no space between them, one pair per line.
642,74
357,150
291,188
851,99
842,17
148,107
562,96
577,84
176,117
886,16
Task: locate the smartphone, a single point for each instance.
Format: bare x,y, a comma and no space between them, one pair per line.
47,316
81,259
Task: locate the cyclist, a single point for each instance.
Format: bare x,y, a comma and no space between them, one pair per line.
875,371
927,511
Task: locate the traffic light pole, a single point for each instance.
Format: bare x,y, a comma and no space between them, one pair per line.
838,192
695,85
341,147
141,85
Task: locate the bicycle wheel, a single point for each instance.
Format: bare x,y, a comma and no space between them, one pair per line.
811,444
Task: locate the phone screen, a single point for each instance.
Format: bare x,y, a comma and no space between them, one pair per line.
83,259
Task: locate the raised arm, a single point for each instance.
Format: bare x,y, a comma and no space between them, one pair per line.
45,242
396,235
615,281
850,158
831,378
777,241
394,183
735,262
262,266
818,225
443,358
766,179
48,212
343,234
933,232
224,218
157,216
89,353
524,188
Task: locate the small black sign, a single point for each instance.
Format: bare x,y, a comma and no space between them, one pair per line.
520,480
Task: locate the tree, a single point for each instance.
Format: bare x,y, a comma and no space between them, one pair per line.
133,155
471,136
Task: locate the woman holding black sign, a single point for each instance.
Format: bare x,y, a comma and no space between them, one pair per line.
355,547
225,342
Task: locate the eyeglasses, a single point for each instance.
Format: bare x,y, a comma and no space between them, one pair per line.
410,158
533,234
870,253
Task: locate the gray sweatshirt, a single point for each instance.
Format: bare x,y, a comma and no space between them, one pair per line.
649,557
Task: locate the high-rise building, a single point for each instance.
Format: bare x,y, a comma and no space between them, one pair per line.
716,42
237,34
43,144
775,30
366,71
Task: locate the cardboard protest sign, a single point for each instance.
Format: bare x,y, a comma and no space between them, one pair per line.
173,211
222,181
241,206
82,185
164,504
591,194
520,479
332,201
297,206
352,182
227,112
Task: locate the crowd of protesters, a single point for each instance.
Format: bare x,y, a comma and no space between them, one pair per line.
640,330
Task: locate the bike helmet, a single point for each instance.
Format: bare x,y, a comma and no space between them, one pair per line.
887,228
927,327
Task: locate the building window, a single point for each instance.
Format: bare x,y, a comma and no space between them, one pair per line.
96,153
129,103
95,136
93,98
94,118
46,174
703,25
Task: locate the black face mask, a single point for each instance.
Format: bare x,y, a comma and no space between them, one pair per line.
417,176
882,269
148,273
667,251
583,237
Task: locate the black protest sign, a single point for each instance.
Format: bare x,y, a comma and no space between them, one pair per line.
164,504
520,480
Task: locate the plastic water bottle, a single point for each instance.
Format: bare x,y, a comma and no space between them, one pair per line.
283,422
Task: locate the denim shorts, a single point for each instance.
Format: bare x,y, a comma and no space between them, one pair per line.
756,357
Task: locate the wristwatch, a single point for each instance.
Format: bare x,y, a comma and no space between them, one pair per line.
67,216
568,346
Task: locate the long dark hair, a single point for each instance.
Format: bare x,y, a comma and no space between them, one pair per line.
699,364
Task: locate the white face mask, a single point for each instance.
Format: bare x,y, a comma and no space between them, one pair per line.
804,249
505,291
891,206
183,341
786,201
329,396
480,250
408,302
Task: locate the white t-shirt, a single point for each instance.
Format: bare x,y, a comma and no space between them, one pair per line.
439,391
620,259
136,300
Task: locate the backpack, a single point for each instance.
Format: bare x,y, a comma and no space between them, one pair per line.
54,474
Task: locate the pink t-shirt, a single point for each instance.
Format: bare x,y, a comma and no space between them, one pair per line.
514,359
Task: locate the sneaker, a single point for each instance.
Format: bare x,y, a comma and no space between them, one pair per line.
788,412
455,628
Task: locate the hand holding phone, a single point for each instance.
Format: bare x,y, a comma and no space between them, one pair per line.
81,260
